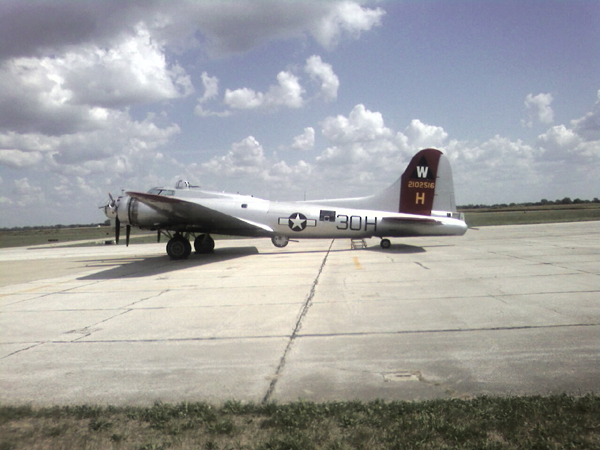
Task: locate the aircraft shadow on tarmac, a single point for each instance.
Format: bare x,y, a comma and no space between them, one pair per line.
137,267
399,248
395,248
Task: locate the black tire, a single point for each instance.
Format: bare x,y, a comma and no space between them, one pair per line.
385,243
279,241
179,248
204,243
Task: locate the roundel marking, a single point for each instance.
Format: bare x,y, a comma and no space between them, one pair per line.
297,222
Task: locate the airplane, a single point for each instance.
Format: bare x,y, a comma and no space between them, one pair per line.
420,203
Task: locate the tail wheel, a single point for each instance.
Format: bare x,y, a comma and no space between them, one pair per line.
385,243
280,241
179,247
204,244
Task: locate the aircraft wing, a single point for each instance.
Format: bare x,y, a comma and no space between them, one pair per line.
191,216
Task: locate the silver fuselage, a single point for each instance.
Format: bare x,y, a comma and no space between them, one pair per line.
327,219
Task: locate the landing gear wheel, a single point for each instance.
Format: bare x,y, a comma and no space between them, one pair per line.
280,241
385,243
204,244
179,247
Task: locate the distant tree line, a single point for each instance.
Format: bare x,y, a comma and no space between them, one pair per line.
543,202
57,227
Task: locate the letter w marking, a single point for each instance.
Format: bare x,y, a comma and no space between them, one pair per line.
422,171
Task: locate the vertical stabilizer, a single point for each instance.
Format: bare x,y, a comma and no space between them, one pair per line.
426,184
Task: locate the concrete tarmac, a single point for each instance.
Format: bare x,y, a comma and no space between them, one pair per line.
500,311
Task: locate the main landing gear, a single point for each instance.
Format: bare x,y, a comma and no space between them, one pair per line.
280,241
385,243
179,246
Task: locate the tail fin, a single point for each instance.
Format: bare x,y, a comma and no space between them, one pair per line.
426,185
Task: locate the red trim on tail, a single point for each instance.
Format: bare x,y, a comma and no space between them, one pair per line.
417,186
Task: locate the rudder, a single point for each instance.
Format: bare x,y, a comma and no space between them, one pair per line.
426,184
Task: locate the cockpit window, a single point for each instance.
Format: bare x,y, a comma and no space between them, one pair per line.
159,191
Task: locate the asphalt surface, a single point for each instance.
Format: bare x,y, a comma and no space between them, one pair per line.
500,311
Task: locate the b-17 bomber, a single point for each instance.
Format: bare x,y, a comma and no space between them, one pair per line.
420,203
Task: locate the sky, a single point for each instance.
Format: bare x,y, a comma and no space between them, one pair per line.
293,99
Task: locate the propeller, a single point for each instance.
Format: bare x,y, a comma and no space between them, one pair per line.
158,236
110,209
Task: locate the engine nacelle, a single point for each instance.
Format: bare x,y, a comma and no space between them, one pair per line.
131,211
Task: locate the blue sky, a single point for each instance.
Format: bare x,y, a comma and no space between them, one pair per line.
293,99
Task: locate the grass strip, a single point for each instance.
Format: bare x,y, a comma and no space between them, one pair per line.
558,421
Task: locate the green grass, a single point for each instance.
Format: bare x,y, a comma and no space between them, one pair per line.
37,236
532,215
558,422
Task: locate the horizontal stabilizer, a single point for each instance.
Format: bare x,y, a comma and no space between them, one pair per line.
412,220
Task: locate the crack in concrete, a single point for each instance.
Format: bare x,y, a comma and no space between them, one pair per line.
128,309
448,330
23,349
90,327
302,314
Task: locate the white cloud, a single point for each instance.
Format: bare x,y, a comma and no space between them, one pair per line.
496,169
362,152
130,72
588,127
323,72
360,126
211,91
223,26
539,109
558,141
18,159
26,194
306,140
421,135
73,91
244,98
579,144
200,111
287,92
211,87
234,26
345,18
118,135
245,158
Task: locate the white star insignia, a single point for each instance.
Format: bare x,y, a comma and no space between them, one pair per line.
298,222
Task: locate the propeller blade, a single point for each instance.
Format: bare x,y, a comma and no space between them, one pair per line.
158,236
117,229
127,233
